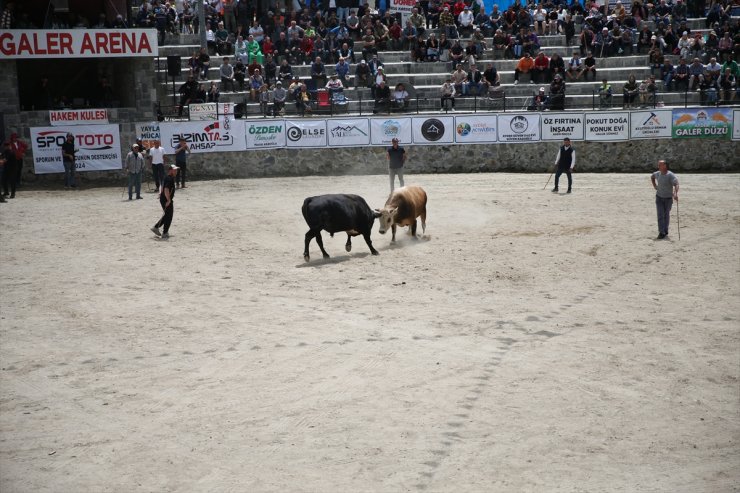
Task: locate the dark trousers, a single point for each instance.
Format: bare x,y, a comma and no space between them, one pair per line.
181,174
664,213
166,219
9,177
18,169
158,172
560,172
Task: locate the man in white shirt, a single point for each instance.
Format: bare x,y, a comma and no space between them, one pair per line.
466,19
156,153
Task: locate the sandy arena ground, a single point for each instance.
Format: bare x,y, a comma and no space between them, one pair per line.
530,342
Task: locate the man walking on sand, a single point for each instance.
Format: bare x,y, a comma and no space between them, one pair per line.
666,185
166,196
565,161
396,158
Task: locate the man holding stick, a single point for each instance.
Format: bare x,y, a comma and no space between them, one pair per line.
565,162
666,185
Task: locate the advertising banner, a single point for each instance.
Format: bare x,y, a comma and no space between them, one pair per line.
473,129
604,127
208,111
348,132
265,134
736,125
98,148
557,126
205,136
78,43
383,130
650,124
438,130
519,128
148,133
305,133
702,123
403,7
78,117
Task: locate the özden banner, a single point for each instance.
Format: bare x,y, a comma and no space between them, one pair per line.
98,148
265,134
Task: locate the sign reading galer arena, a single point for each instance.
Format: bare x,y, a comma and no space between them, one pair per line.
78,43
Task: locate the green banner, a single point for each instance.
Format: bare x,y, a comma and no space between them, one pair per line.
702,123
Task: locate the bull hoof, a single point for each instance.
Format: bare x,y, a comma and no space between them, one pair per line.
326,255
348,248
306,257
375,252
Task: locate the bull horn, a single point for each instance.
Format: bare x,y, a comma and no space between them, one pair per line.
376,213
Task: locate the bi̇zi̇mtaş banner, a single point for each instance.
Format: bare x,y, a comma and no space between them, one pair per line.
205,136
98,148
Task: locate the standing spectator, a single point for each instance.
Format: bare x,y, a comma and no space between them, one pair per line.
3,161
447,94
134,165
565,162
665,184
227,75
229,13
19,149
156,153
181,160
8,176
68,159
166,197
396,158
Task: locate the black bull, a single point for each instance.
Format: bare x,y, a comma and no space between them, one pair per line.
335,213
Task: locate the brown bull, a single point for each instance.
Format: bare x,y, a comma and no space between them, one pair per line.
402,208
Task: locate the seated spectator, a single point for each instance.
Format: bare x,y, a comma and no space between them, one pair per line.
447,23
419,50
626,42
263,96
629,92
254,51
382,97
334,84
465,20
221,40
726,46
374,64
708,90
680,11
539,101
342,70
575,67
711,45
530,42
240,73
204,62
557,66
647,91
556,100
286,71
447,94
269,70
279,96
656,60
604,44
586,40
503,43
444,48
400,97
662,13
684,45
382,35
353,25
363,76
418,21
187,93
226,72
395,37
369,46
255,83
696,70
473,81
458,77
434,8
644,39
409,35
667,73
194,65
728,86
491,78
318,72
682,75
524,66
213,93
347,53
457,54
302,100
605,95
589,66
540,71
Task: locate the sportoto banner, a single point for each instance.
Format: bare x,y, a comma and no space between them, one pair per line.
78,43
438,130
650,124
702,123
59,118
265,134
98,148
148,133
305,133
348,132
557,126
736,125
604,127
383,130
473,129
213,136
519,128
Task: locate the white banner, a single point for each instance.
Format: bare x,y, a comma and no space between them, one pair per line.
519,128
78,43
348,132
402,6
265,134
557,126
439,130
604,127
207,111
148,133
651,124
735,124
204,136
305,133
475,129
98,148
65,118
383,130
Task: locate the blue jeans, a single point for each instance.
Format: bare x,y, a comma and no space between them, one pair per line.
664,213
134,179
342,12
69,174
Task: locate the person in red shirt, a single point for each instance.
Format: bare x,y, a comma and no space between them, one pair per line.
541,68
19,149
